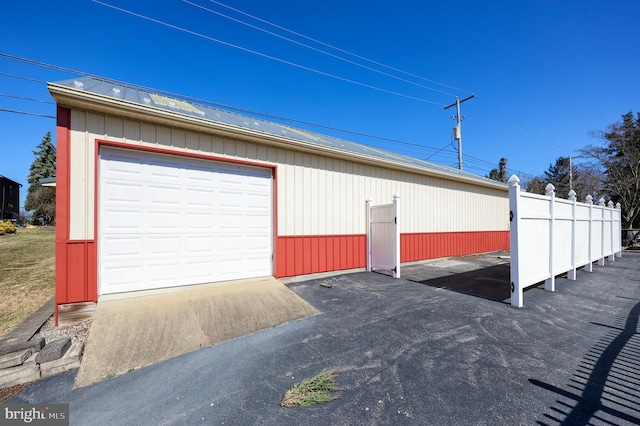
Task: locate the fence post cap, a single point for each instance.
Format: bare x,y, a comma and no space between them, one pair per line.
549,189
618,205
610,203
589,198
396,195
572,195
513,180
601,201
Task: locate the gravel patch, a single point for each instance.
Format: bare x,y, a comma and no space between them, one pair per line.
77,332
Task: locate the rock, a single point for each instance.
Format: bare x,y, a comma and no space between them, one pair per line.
68,362
53,350
15,358
35,345
26,373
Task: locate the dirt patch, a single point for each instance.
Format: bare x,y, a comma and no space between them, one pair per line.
7,393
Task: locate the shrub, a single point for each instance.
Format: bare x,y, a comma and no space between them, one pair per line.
7,228
319,389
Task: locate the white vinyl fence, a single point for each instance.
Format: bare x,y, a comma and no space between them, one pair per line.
383,237
551,236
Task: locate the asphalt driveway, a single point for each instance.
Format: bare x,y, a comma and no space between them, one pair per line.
407,353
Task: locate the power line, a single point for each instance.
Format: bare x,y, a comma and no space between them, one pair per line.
488,163
485,163
437,152
339,49
19,76
414,149
264,55
25,99
316,49
202,100
548,142
26,113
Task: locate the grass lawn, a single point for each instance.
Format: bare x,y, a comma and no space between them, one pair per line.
27,274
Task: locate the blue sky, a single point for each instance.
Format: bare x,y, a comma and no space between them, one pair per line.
545,73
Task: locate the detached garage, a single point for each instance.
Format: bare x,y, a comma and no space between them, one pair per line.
156,192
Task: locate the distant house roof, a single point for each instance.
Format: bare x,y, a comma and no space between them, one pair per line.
10,180
125,94
48,182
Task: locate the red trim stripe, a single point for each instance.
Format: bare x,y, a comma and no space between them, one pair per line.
302,255
421,246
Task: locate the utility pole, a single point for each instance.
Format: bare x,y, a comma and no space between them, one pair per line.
458,129
570,174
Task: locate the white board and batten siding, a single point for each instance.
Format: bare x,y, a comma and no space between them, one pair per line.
317,195
170,221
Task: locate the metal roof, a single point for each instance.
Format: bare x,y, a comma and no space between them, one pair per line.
170,102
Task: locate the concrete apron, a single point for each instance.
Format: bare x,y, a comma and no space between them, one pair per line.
134,332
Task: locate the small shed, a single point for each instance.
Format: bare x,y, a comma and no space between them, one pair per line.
156,192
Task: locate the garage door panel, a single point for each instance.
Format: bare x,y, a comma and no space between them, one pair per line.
198,245
162,170
164,195
126,276
170,221
164,246
121,167
229,267
229,223
231,198
164,178
124,192
121,247
163,221
197,271
257,220
123,221
200,198
197,182
254,242
197,221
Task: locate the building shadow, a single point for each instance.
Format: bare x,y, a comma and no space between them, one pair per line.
605,388
490,283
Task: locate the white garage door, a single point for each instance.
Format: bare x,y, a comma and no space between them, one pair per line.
167,221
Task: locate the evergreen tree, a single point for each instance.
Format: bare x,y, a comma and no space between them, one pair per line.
535,185
494,174
501,173
619,159
42,200
558,174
